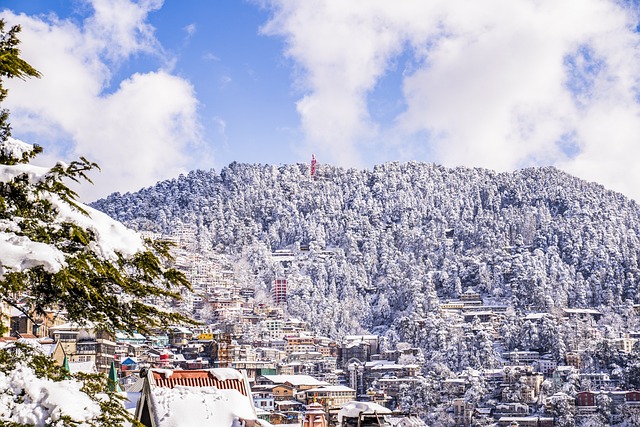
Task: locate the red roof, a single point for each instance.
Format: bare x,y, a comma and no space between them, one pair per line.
633,396
197,378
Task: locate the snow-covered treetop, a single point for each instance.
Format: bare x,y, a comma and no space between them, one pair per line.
14,148
20,253
58,252
404,238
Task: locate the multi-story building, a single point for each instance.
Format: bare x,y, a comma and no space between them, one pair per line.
546,365
285,387
274,327
353,352
573,359
595,380
523,379
586,403
392,386
271,354
624,344
294,327
329,396
179,336
21,325
526,421
299,344
243,352
263,399
521,357
462,412
85,344
471,297
279,291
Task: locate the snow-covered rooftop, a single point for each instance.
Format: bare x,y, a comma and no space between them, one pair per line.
177,398
295,380
581,311
125,336
535,316
330,388
354,409
183,406
87,367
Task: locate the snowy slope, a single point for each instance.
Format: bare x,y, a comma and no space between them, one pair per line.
404,237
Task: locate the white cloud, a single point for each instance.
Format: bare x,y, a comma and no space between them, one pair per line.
494,83
138,132
190,29
221,123
119,26
210,57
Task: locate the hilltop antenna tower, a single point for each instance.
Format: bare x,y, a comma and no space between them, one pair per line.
313,165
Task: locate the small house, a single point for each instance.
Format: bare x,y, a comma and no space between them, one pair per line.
220,397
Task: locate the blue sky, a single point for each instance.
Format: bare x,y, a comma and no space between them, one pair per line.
150,89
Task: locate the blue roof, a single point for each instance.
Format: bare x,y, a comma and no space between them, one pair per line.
129,361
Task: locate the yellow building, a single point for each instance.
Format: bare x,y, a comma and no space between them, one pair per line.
205,337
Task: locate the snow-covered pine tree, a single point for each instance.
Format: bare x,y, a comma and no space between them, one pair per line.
57,254
11,65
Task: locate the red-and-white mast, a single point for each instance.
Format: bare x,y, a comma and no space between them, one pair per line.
313,165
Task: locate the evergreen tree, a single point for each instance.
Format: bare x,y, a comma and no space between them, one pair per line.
11,65
57,254
94,279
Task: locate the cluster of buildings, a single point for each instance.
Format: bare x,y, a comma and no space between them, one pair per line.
530,388
518,394
288,368
284,375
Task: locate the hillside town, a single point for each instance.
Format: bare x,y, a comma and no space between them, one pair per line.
293,372
463,252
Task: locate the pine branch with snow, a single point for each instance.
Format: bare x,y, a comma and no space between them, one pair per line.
35,391
58,254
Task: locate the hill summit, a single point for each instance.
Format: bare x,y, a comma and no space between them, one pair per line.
405,237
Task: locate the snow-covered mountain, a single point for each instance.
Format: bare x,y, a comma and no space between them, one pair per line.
404,237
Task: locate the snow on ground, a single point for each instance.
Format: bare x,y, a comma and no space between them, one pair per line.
44,401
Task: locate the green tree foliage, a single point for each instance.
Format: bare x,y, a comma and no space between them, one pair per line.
20,356
11,65
73,265
90,286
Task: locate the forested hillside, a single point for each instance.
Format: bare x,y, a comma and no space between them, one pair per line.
404,237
